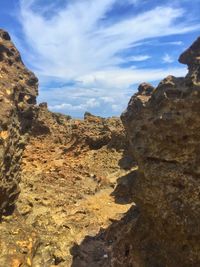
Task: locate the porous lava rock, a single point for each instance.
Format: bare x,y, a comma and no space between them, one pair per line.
18,91
91,133
70,167
163,127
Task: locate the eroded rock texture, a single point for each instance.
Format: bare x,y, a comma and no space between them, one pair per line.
70,167
163,125
93,132
18,90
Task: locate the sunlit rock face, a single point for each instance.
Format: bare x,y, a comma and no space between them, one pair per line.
163,126
18,91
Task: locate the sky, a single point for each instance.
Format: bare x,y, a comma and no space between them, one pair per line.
91,55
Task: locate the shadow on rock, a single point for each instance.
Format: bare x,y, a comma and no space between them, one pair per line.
97,251
126,162
100,250
123,192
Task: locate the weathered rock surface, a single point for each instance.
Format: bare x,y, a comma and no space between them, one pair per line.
18,90
92,132
70,167
163,229
163,126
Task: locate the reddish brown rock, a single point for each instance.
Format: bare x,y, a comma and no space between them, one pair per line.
18,90
70,167
92,132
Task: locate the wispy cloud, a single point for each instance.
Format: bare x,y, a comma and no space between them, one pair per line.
90,103
80,42
112,97
138,58
167,58
175,43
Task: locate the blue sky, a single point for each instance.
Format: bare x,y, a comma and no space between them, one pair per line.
90,55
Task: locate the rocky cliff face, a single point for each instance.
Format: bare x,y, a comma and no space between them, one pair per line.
18,90
163,126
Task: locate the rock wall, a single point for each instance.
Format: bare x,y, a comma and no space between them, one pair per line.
18,90
163,126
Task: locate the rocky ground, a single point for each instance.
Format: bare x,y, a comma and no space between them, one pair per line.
66,189
68,171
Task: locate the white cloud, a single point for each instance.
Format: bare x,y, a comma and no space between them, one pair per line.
175,43
167,58
80,43
108,95
138,58
90,103
123,78
74,42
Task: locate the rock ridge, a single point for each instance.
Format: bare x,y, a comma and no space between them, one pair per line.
18,91
163,130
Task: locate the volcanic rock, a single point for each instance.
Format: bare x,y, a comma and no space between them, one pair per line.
70,167
18,90
163,128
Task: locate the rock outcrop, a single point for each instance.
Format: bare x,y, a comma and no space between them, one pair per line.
163,126
18,90
92,132
70,167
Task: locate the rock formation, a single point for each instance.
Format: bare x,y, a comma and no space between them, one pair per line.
65,165
93,132
18,90
70,167
163,126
